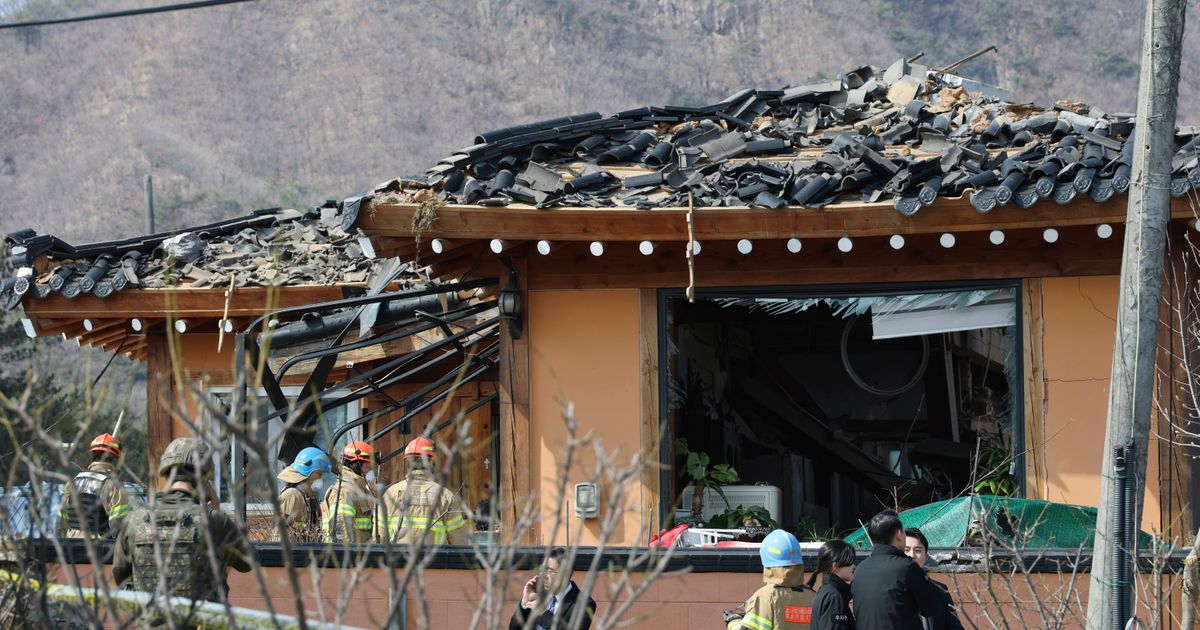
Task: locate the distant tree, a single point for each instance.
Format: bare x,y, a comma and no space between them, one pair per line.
69,412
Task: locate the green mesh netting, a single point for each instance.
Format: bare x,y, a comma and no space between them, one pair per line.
1023,523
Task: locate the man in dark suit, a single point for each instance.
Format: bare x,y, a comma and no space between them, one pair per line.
916,546
889,591
554,599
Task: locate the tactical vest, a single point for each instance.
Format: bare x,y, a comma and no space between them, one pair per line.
178,533
87,488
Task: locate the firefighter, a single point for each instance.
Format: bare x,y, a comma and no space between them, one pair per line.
298,503
165,546
419,506
349,505
95,503
783,601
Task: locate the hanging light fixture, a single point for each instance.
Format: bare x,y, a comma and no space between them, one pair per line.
510,305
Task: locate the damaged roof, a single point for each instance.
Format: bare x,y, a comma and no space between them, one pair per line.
905,134
267,248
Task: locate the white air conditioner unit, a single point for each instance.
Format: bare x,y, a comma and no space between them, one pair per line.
767,497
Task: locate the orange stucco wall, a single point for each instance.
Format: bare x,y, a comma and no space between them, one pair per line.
584,350
1079,316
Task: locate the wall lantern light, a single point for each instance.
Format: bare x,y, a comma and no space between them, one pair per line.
511,306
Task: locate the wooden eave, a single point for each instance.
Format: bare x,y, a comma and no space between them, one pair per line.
519,222
110,318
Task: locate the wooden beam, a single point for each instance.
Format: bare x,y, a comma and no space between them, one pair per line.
181,301
160,392
100,325
1032,327
109,337
1024,254
651,423
516,473
1176,360
521,222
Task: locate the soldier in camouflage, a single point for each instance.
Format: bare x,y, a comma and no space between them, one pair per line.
94,504
177,545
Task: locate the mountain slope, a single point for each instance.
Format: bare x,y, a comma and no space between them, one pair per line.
287,103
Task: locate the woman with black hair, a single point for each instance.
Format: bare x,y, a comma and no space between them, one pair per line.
835,565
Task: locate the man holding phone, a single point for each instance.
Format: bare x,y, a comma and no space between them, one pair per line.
554,598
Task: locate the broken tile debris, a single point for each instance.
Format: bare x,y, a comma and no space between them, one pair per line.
271,247
904,134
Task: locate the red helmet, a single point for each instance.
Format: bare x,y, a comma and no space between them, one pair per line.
420,447
106,443
358,451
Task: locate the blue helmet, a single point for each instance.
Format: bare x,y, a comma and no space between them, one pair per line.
311,459
780,549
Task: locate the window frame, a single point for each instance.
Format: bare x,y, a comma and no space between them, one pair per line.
666,459
226,455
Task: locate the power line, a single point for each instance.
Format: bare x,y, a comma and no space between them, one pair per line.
128,13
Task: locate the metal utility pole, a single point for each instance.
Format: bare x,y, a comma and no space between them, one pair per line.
1132,387
150,203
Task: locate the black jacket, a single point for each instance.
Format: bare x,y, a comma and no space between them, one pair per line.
831,610
546,620
891,592
944,619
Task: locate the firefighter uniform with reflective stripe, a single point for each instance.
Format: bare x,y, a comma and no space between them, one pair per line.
349,504
103,503
782,602
419,506
298,507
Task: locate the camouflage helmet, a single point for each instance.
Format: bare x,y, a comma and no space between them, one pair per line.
185,453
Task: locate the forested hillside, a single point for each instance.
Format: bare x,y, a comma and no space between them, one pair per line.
280,102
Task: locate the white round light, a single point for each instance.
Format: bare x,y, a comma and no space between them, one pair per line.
1104,230
794,245
996,237
896,241
543,248
744,246
844,244
180,326
438,246
646,248
1050,235
947,240
136,324
597,248
227,325
88,325
695,248
497,245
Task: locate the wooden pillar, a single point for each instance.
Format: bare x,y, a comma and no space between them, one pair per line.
1032,330
652,421
516,473
160,392
1178,375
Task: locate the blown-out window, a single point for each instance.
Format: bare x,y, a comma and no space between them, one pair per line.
843,401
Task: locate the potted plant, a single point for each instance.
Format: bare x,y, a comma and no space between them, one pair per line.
703,475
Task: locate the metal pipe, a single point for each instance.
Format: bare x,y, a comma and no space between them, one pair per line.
370,299
493,349
315,327
436,397
370,341
1117,557
363,392
281,411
